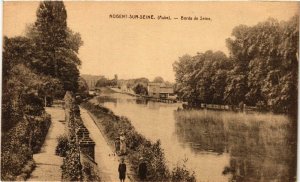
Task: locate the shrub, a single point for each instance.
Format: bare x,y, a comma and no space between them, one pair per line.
180,174
71,167
41,125
62,146
15,151
19,144
90,173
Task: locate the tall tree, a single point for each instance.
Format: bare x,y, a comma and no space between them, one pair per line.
266,64
202,78
56,45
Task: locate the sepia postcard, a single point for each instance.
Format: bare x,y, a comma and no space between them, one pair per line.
149,91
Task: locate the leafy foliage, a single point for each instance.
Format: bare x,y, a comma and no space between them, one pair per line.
71,168
83,88
20,142
104,82
56,46
181,173
39,66
62,146
90,173
261,71
39,126
266,61
140,89
201,78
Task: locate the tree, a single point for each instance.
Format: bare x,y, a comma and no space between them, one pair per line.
20,84
202,78
265,64
103,82
56,45
83,88
140,89
158,79
184,82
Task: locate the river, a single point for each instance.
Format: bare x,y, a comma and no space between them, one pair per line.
215,150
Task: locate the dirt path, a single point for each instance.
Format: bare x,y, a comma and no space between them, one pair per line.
48,164
104,156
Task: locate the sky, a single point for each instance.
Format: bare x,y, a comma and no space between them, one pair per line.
133,48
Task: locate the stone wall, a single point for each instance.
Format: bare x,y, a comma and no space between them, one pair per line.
78,136
75,128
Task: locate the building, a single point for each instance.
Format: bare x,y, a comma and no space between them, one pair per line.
91,80
159,90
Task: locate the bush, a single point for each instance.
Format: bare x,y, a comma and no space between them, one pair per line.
20,142
71,167
26,171
34,104
90,174
15,151
41,125
180,173
62,146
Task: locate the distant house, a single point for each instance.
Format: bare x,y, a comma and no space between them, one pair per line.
91,80
159,90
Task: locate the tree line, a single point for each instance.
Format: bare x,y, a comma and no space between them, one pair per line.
261,69
42,64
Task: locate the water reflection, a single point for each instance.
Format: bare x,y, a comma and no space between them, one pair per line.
156,121
219,146
202,136
259,150
142,101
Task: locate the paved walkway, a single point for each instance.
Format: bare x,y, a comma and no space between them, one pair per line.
104,156
48,164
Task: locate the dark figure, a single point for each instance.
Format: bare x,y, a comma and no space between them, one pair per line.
122,171
143,170
117,145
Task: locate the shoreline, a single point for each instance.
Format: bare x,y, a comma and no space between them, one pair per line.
110,143
137,145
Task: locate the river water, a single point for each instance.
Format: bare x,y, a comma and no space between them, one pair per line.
215,151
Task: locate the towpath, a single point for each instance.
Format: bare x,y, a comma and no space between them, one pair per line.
104,156
47,163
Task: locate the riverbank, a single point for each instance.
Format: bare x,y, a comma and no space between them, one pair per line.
117,90
145,97
104,155
137,145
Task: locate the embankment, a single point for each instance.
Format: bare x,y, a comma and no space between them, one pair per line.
137,145
76,147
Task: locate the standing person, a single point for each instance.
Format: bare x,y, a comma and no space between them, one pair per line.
122,170
122,144
142,169
117,145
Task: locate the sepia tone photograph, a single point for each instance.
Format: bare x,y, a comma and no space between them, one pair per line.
149,91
